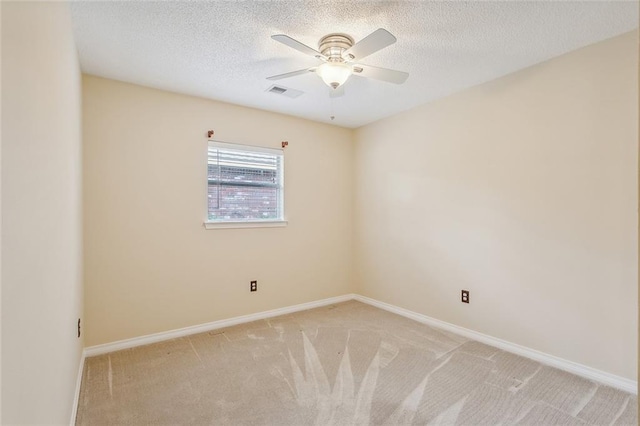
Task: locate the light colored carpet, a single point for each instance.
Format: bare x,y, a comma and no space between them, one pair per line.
346,364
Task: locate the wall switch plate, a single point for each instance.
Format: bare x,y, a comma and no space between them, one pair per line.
465,296
254,286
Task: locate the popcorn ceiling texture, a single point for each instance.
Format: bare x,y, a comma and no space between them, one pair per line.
223,50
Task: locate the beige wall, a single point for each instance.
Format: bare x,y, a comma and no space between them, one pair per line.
523,191
150,266
41,207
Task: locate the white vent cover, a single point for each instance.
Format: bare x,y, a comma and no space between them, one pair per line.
284,91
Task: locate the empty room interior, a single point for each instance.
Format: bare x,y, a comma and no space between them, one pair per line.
329,213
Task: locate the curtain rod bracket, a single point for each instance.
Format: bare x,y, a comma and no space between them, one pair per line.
210,134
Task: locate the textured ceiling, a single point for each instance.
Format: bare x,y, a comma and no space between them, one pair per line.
222,49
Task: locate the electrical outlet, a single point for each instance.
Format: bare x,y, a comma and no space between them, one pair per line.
465,296
254,286
78,328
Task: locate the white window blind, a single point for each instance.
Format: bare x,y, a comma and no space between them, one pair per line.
245,183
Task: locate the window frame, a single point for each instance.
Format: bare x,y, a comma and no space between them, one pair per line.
250,223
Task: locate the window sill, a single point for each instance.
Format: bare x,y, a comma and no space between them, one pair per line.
254,224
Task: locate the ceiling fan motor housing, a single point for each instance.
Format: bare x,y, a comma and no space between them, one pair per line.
332,46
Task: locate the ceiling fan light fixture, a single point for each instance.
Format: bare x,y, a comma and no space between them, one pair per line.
334,74
342,57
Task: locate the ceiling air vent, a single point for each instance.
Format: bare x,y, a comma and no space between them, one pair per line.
284,91
278,90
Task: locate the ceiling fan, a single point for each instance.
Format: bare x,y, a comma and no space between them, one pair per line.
341,58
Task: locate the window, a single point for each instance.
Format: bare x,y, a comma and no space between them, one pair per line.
245,186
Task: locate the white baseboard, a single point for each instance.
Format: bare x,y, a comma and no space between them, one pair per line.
599,376
76,396
181,332
544,358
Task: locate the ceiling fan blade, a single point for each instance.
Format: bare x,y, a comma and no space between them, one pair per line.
300,47
384,74
291,74
337,92
377,40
